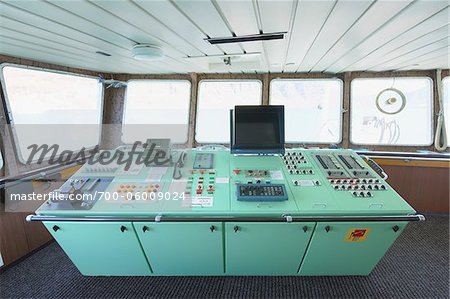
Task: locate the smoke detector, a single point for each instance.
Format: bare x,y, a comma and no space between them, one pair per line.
147,52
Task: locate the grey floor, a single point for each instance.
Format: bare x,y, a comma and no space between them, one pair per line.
417,266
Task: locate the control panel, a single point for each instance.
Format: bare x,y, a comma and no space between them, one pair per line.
358,187
135,190
301,180
330,166
78,193
203,160
293,162
201,182
261,192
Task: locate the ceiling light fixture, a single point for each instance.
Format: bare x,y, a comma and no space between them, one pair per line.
246,38
147,52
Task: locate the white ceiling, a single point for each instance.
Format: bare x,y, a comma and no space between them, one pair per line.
323,36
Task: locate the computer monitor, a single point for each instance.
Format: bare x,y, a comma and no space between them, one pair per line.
257,130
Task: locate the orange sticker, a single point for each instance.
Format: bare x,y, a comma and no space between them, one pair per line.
356,235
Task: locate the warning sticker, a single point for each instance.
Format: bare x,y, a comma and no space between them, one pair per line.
357,235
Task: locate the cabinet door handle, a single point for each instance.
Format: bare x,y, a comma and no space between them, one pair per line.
395,228
212,228
236,229
145,228
123,228
55,228
327,228
305,228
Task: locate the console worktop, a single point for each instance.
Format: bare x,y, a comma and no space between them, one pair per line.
317,182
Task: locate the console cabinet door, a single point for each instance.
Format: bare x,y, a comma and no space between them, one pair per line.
183,248
265,248
343,248
108,248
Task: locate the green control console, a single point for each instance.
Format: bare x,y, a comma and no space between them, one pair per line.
307,212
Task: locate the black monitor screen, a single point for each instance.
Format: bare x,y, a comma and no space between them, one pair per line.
258,129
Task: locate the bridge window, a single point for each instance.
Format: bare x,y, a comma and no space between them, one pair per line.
313,109
391,111
215,99
157,109
446,102
49,107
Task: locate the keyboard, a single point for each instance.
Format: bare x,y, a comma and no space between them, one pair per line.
261,192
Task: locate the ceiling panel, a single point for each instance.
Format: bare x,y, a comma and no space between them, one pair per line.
417,19
276,16
55,30
241,16
19,48
309,19
378,15
329,36
205,16
434,61
438,35
410,55
120,30
343,16
16,29
168,14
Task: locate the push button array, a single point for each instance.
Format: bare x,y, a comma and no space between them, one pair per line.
128,190
204,183
358,187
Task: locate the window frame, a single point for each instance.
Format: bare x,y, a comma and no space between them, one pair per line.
260,82
2,162
341,104
125,101
447,129
382,145
8,110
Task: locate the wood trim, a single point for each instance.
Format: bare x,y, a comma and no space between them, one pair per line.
193,110
413,163
424,188
346,111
